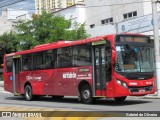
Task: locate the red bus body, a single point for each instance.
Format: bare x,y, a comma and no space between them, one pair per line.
68,81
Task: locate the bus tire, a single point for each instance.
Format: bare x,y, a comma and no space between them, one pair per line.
28,93
86,94
120,99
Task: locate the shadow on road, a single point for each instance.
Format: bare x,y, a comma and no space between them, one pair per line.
103,102
111,102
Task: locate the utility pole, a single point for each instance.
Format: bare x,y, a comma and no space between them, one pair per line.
156,43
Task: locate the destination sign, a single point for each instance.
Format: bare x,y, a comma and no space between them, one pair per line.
139,39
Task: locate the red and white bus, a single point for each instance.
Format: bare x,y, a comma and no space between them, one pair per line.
111,66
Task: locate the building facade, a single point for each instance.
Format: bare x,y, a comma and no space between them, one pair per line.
54,5
105,14
75,12
9,19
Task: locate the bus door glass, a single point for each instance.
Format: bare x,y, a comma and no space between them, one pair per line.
99,67
102,64
16,74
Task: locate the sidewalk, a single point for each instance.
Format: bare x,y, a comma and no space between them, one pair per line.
1,83
152,96
149,96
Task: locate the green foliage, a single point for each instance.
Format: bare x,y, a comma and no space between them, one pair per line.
78,32
44,28
47,28
8,44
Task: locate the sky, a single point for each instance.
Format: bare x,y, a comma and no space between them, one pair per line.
18,4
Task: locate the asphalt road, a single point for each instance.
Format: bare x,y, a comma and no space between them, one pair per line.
8,102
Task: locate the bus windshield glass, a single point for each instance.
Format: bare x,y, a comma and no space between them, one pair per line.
134,57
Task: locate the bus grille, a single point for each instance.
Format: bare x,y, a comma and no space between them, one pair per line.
139,89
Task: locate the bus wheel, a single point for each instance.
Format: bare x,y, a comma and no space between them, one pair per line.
28,93
120,99
86,94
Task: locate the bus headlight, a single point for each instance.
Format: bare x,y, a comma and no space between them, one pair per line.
122,83
119,82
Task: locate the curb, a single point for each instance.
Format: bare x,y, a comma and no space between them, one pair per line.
151,97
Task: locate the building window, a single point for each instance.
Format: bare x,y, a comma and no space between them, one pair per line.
92,26
106,21
125,16
130,15
103,21
134,13
111,20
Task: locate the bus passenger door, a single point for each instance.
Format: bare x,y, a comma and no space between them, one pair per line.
16,75
99,70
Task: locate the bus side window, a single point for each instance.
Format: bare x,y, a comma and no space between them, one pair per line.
82,55
64,57
9,64
38,61
26,62
49,59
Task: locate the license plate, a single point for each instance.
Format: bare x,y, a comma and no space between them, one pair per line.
141,90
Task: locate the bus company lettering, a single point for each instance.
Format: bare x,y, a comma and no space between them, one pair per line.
69,75
33,78
37,77
29,77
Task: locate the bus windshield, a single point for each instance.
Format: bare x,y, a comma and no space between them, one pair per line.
134,58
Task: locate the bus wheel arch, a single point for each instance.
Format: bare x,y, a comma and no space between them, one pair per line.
85,92
28,91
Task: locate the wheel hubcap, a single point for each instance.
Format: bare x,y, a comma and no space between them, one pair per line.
86,94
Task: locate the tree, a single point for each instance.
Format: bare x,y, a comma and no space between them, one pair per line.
78,32
8,44
47,28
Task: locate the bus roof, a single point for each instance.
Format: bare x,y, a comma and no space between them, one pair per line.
61,43
55,45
